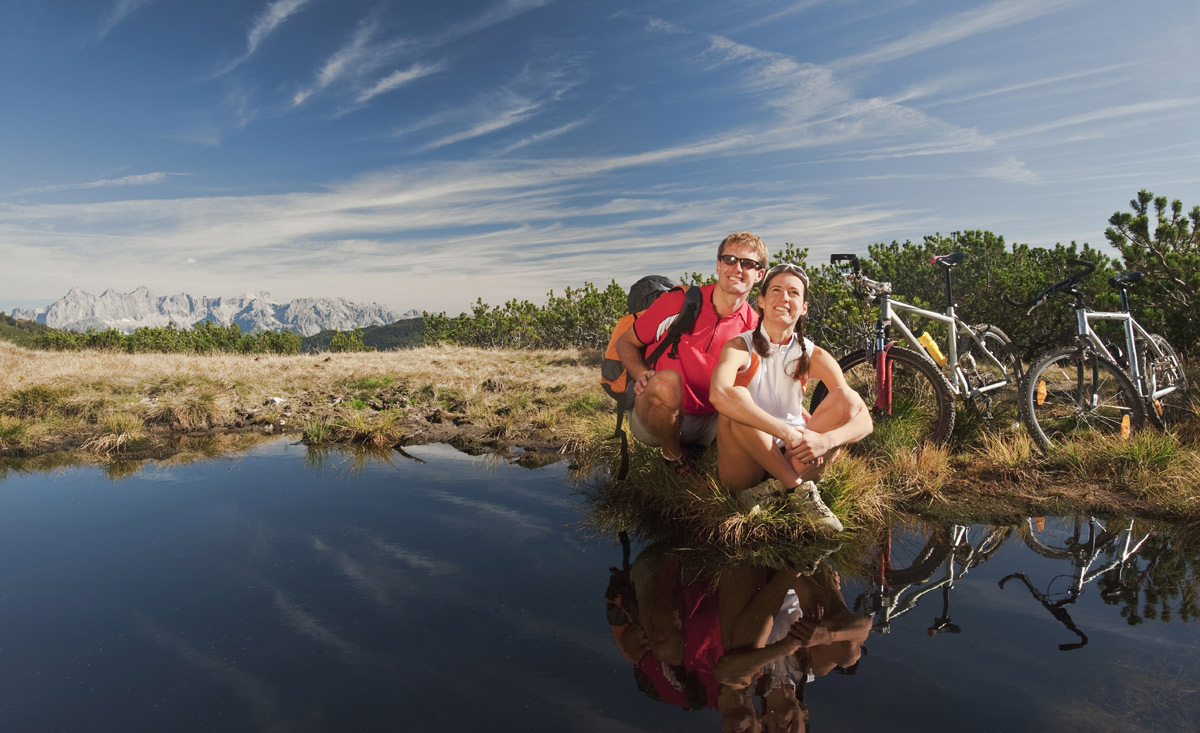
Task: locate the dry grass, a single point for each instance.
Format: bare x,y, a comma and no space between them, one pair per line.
115,432
57,399
1012,456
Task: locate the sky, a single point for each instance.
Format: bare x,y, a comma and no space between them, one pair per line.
426,154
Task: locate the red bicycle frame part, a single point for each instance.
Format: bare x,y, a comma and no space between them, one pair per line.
883,380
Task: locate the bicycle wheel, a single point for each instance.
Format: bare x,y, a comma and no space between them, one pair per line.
911,554
1076,391
1161,373
999,405
1059,538
921,406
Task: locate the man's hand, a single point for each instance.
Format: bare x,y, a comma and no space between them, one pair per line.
810,447
639,384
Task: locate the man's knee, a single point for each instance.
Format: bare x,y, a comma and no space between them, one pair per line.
664,390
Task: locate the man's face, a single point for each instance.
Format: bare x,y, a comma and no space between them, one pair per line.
735,279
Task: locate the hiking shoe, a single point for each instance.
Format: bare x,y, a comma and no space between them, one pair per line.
806,502
768,493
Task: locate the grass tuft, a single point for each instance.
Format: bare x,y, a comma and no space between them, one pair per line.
116,431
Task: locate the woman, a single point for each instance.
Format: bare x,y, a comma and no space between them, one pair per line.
758,389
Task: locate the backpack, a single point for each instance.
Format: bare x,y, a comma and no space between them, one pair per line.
613,376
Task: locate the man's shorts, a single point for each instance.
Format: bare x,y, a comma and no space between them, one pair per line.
699,429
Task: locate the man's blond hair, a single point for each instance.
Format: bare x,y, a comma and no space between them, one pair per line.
745,239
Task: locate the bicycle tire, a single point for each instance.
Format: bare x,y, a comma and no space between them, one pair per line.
1001,407
1059,538
1065,411
914,554
922,405
1160,373
991,543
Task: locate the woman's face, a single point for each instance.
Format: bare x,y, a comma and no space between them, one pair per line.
783,302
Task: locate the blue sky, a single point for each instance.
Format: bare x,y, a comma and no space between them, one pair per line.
423,154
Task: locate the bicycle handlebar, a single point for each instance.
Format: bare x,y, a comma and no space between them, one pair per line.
1065,285
852,259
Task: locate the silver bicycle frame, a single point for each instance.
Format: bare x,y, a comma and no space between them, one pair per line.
1084,317
959,381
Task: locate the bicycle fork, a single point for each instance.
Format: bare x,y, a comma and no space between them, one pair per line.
883,371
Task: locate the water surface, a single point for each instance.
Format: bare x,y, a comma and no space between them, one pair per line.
281,591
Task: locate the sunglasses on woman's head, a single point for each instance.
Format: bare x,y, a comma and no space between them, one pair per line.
747,264
787,267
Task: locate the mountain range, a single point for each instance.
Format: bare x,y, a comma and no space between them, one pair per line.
253,312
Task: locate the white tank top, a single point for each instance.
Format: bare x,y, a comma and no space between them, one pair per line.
769,384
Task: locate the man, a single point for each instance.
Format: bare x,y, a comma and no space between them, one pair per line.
671,405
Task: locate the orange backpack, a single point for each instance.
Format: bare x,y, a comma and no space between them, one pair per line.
613,376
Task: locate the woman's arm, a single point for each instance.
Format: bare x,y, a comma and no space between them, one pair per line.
815,444
735,402
737,668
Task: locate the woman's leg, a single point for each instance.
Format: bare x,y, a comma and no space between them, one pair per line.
744,455
837,409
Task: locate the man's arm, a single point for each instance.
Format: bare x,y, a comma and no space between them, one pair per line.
632,353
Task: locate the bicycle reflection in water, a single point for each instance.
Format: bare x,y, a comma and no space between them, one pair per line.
744,645
1084,541
906,562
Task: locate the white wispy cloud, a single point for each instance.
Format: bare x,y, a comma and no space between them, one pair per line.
499,13
397,79
542,136
1055,80
507,111
234,113
120,10
786,12
1139,110
527,95
347,60
959,27
264,25
139,179
1011,170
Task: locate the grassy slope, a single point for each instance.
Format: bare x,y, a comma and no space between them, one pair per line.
20,332
402,334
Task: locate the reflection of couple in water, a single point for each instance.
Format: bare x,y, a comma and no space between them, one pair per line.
757,632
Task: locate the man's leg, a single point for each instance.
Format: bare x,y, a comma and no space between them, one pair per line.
659,409
837,409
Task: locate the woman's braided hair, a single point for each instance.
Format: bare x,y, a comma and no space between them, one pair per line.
759,338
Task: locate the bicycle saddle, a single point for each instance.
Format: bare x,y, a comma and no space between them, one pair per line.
947,261
1119,281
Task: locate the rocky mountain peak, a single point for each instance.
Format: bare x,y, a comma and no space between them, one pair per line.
79,310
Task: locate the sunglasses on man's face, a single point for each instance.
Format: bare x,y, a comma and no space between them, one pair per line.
747,264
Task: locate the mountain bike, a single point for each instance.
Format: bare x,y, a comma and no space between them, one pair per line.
1083,541
912,390
1094,386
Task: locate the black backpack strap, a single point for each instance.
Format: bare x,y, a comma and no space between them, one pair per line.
693,300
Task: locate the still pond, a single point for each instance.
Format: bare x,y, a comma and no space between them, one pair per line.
282,590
